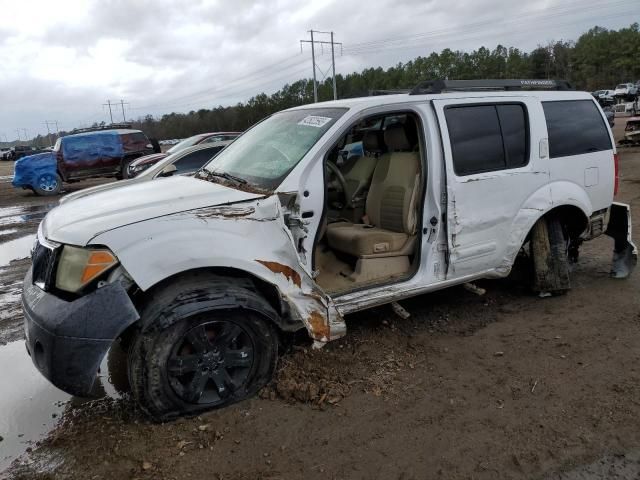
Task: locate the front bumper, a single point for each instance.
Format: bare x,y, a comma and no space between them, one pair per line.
68,340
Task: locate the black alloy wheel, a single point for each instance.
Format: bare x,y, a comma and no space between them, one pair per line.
210,362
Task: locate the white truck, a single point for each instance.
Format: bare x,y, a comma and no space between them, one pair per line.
201,276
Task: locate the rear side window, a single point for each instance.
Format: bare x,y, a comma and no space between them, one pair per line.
194,161
575,127
486,138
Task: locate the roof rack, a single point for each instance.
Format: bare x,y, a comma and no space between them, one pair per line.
373,93
111,126
439,85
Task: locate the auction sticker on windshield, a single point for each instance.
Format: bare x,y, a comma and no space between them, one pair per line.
314,121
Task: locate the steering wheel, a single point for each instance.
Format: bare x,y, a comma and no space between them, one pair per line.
333,169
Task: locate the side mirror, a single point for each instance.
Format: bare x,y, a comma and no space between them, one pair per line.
168,171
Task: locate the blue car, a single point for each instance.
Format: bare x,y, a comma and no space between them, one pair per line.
38,173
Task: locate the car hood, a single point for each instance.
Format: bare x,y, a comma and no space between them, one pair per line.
77,222
101,188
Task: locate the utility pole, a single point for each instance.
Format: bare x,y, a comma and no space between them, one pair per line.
51,122
122,104
26,137
48,131
18,132
333,66
313,61
109,105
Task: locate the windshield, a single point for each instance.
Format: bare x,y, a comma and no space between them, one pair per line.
266,154
187,142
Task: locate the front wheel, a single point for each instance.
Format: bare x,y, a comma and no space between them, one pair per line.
208,359
48,184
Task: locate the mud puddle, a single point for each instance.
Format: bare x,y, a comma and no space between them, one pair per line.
24,213
30,406
16,249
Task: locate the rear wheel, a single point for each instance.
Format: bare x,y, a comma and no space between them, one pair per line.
549,250
194,356
48,184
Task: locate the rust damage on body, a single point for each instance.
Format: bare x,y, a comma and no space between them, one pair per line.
287,271
226,212
319,327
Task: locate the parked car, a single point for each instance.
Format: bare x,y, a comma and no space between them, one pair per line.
606,97
185,162
626,90
191,162
203,138
20,151
200,276
95,153
4,153
632,130
610,114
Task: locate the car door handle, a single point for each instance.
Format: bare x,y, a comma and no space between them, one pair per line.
307,214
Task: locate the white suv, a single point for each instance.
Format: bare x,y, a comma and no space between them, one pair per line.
281,232
625,90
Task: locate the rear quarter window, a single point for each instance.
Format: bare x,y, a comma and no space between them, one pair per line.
134,142
575,127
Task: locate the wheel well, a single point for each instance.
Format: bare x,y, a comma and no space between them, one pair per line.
573,219
269,292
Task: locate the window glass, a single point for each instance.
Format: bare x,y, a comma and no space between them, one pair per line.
264,155
476,142
575,127
514,134
195,160
215,138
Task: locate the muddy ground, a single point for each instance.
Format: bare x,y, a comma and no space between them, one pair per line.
504,385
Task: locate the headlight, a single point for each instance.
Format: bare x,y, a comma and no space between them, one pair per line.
79,266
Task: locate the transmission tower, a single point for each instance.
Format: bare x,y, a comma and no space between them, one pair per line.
313,43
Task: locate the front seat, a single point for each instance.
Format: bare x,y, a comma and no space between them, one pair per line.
384,244
358,172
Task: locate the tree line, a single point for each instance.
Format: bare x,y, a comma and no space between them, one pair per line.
599,59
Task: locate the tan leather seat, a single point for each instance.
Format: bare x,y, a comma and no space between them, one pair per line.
358,175
390,206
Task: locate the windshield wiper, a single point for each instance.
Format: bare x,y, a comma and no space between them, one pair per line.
225,175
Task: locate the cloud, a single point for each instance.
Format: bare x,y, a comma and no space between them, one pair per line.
62,60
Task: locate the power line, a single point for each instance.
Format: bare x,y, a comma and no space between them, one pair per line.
523,18
226,93
249,76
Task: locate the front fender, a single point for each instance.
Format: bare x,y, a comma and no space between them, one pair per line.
249,236
538,204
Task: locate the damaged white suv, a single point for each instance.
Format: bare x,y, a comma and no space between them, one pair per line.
316,212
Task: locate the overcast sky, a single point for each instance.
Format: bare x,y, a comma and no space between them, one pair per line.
62,59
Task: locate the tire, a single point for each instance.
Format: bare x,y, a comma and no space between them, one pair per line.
549,250
48,184
205,343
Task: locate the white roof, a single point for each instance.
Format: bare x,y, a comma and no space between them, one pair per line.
362,103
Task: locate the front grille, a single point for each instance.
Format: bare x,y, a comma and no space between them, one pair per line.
43,261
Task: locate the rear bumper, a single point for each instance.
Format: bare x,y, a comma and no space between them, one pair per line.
68,340
625,253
